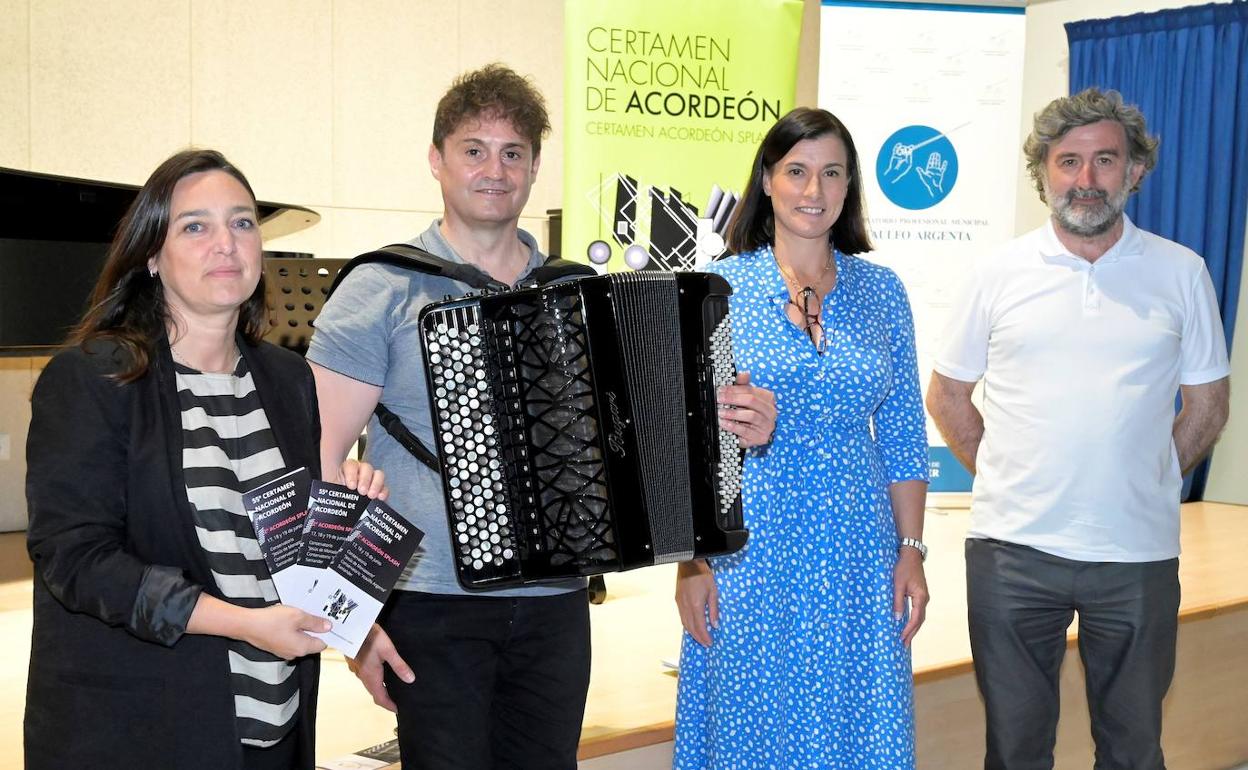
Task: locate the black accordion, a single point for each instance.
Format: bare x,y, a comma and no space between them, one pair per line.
576,426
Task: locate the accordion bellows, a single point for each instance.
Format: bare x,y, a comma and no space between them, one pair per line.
577,427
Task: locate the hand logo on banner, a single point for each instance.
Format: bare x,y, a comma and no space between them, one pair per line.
934,174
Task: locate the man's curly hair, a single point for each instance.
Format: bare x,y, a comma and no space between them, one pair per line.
1089,106
492,92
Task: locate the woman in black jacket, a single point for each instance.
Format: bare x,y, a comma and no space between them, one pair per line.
158,640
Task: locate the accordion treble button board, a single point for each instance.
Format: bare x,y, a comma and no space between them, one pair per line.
468,440
730,471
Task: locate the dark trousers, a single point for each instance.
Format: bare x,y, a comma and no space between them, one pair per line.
500,682
1020,602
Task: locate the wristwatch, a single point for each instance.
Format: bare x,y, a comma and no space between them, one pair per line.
916,545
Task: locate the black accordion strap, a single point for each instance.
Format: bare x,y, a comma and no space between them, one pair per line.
556,269
408,440
418,260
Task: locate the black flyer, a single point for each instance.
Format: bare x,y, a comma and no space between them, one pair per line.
333,511
277,510
362,574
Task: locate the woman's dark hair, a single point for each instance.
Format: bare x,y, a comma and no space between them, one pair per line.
753,224
128,304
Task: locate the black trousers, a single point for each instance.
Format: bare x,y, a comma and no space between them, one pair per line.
1020,602
500,682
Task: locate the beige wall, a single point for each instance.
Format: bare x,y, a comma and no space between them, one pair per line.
1227,481
323,103
17,377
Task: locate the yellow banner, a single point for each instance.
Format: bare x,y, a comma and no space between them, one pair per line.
665,104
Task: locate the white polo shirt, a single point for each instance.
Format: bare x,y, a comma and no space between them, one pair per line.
1081,365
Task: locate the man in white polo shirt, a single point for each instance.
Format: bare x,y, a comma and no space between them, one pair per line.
1082,331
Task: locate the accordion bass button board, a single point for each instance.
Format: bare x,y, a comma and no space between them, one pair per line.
577,427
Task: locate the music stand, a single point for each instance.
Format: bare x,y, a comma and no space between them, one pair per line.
295,290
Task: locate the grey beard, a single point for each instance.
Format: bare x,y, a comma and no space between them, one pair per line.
1088,222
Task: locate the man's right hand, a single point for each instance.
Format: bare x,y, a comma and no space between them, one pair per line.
376,653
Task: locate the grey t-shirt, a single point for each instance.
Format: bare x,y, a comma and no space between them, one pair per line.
368,331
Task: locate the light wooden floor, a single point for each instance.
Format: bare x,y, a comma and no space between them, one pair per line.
632,699
632,695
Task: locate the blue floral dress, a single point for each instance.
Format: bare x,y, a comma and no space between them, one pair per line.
806,668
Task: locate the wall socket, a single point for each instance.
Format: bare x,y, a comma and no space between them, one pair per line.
4,446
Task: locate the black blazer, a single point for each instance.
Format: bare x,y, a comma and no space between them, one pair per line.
113,681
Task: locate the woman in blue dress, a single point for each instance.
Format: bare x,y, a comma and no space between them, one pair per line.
796,651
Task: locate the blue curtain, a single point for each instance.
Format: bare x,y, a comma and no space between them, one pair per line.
1187,69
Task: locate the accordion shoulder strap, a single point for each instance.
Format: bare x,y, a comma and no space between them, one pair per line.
408,440
418,260
556,269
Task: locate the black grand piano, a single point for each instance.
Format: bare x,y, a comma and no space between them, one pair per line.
55,231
